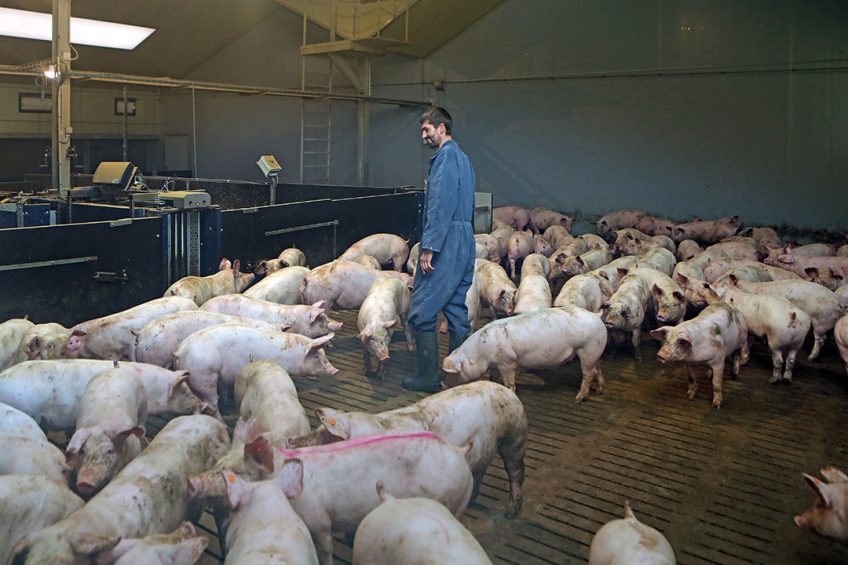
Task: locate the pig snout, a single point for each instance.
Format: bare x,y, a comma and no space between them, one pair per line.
662,356
802,521
207,485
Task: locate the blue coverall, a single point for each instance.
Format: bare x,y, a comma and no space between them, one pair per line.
448,232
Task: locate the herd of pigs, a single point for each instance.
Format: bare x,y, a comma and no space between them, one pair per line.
276,486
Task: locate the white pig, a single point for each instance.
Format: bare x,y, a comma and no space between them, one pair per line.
51,391
215,355
414,254
343,284
687,249
719,267
264,528
584,291
542,218
540,245
519,246
201,289
29,503
13,421
514,216
534,293
417,464
282,287
718,332
659,259
385,307
829,515
504,346
706,231
293,257
147,497
369,261
497,291
486,414
158,340
23,455
629,541
183,546
654,225
488,240
385,247
619,219
626,308
410,529
111,337
668,303
585,262
536,264
612,270
558,236
111,420
12,333
840,331
311,321
49,341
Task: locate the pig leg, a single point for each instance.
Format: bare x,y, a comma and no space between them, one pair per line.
585,386
208,392
776,365
635,339
693,382
407,331
381,370
492,310
790,364
399,262
817,345
366,360
324,544
718,374
512,268
737,361
507,373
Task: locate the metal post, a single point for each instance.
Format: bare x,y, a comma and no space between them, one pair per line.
194,134
61,94
124,128
363,119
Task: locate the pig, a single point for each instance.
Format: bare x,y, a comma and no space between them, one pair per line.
827,517
542,218
11,334
15,422
480,251
594,241
486,414
110,423
687,249
112,337
840,331
342,284
147,497
783,325
293,257
497,224
385,307
405,530
826,277
719,267
201,289
541,245
472,299
496,290
612,270
707,231
766,238
841,294
535,264
504,346
514,216
385,247
369,261
502,235
659,259
157,341
572,248
626,308
29,503
50,392
281,287
264,528
558,236
750,273
630,541
311,321
416,464
690,278
654,225
215,355
492,246
519,246
819,303
718,332
739,249
585,262
584,291
48,341
800,263
23,455
705,257
668,303
534,293
619,219
810,250
640,246
182,546
268,406
269,266
625,236
842,251
414,254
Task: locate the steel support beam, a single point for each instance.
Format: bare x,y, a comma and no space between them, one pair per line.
61,138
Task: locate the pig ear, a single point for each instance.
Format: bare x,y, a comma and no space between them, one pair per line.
580,260
366,332
123,435
224,265
622,271
678,296
182,376
682,280
314,312
811,272
290,478
77,441
391,323
834,475
319,341
261,268
32,347
246,430
821,489
329,418
319,304
657,291
734,280
237,488
449,366
236,267
383,493
87,544
78,333
684,342
660,333
605,306
259,451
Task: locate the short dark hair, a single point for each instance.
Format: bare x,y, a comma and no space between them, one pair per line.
438,115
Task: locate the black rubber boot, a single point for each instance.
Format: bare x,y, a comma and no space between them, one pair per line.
455,340
429,377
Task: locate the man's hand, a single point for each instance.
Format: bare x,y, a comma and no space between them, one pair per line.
426,261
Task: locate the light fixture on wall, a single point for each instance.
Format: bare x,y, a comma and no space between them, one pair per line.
98,33
49,72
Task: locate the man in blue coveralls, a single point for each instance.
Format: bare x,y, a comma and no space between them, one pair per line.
446,264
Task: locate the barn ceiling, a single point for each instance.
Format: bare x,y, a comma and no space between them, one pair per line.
189,32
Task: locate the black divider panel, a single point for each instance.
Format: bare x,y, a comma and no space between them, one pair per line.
244,231
67,293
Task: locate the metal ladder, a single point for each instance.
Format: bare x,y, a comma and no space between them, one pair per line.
316,120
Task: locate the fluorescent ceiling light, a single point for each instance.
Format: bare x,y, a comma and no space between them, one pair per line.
37,25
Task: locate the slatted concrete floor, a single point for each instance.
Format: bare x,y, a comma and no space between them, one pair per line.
722,485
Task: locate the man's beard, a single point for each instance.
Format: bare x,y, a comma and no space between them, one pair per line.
430,142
